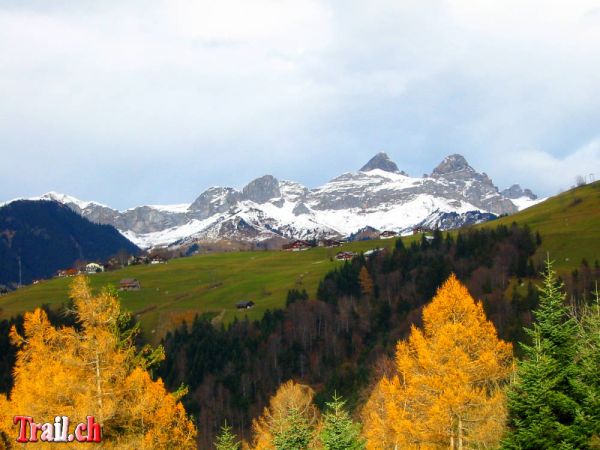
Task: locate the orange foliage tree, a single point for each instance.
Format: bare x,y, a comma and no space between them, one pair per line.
94,371
448,391
291,397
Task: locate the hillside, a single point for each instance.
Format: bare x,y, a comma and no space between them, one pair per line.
48,236
212,283
209,283
569,224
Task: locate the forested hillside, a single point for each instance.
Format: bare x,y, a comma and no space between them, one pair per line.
345,336
40,237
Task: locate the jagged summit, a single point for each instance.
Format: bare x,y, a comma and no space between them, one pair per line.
379,196
262,189
515,192
451,164
381,161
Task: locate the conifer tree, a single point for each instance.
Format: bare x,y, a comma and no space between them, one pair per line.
543,407
291,406
448,389
226,440
587,380
292,431
339,431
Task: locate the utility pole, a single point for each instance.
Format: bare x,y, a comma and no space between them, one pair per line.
20,273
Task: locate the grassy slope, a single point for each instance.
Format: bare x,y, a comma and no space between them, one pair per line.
213,283
204,283
568,223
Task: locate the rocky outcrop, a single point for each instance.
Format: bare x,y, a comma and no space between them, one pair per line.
262,189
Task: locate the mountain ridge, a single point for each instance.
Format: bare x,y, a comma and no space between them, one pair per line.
378,195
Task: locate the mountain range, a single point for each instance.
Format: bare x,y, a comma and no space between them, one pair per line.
379,195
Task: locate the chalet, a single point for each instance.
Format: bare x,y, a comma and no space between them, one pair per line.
244,304
344,256
138,260
94,268
329,243
3,290
421,229
158,260
67,273
129,284
388,234
296,246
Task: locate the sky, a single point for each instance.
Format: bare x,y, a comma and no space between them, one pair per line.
150,102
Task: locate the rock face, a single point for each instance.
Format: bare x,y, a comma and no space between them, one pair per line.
381,161
262,189
515,192
377,197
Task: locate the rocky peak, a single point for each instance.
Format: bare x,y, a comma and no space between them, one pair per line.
515,191
452,164
380,161
262,189
214,200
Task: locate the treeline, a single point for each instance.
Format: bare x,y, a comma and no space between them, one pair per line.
340,340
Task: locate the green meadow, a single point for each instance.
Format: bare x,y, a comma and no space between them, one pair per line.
211,284
205,284
569,224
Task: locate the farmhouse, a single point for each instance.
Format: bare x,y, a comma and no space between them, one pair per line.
94,268
244,304
421,229
344,256
67,273
158,260
388,234
296,246
329,243
129,284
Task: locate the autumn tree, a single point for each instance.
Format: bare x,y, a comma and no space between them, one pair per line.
366,282
339,431
448,389
290,420
95,370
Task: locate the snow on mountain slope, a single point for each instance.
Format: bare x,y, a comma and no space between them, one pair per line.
526,202
380,196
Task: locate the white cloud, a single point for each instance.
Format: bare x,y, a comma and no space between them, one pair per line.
200,86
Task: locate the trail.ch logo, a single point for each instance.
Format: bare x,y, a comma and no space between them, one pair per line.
29,430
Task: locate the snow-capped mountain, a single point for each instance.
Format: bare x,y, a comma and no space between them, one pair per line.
379,195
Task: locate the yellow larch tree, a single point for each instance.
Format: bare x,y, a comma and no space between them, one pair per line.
94,370
448,390
289,396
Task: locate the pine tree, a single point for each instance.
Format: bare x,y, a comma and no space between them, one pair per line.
448,390
543,407
291,406
587,380
339,431
292,431
226,440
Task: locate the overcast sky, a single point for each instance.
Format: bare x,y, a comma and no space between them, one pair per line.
137,102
